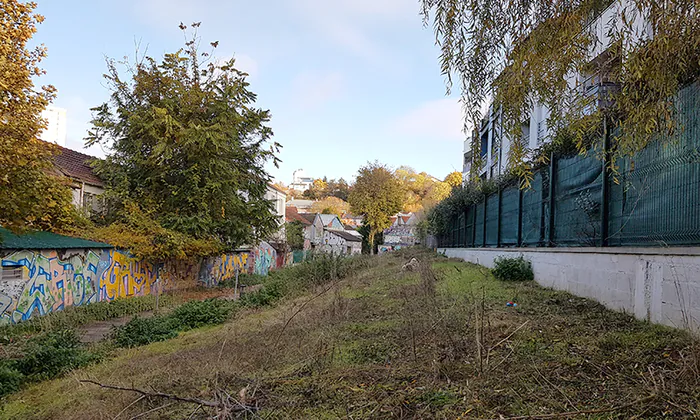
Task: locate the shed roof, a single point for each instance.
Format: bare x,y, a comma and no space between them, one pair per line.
76,165
310,217
327,219
345,235
44,240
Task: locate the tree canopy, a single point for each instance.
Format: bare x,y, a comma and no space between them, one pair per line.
32,197
330,205
521,53
377,195
324,188
422,191
188,147
454,179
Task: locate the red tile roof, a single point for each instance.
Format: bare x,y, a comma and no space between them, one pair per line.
292,215
76,165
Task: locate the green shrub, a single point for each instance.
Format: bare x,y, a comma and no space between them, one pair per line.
141,331
10,379
49,355
195,314
272,291
513,269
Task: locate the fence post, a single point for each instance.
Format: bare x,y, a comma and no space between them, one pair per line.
552,180
498,220
520,217
605,190
483,242
464,242
473,243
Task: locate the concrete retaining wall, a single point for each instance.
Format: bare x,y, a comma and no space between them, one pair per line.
659,285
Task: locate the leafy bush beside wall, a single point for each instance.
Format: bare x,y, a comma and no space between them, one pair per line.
513,269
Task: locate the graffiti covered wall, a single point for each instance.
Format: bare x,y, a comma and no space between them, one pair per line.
52,280
213,271
264,258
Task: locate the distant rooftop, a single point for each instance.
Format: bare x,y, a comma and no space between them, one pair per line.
346,235
76,165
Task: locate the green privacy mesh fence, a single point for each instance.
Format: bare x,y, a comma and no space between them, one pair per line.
492,221
510,203
652,200
577,201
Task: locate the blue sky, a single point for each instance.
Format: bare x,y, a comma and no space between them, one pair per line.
347,81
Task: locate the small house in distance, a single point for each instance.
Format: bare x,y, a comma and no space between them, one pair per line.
85,184
402,233
340,242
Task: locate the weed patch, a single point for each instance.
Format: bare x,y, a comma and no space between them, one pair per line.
513,269
46,356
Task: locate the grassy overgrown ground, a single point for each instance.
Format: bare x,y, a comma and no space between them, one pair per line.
384,343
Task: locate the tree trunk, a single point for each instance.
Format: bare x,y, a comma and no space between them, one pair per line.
371,241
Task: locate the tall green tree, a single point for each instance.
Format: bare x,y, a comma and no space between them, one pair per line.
295,235
31,196
339,189
188,147
377,195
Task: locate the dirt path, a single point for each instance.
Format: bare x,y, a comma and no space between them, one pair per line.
99,330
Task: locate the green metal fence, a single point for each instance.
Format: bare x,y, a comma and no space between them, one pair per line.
653,200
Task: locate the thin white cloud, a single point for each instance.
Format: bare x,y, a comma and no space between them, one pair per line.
349,22
311,90
440,120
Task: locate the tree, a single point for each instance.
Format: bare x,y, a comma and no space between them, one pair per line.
422,190
330,205
295,235
522,53
188,147
454,179
339,189
317,190
377,195
32,197
365,230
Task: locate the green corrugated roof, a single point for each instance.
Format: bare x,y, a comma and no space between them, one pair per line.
44,240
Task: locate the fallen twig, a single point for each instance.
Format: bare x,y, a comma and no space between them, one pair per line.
206,403
127,407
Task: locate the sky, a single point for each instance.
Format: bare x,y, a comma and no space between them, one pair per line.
346,81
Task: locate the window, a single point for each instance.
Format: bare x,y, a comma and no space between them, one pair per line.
11,273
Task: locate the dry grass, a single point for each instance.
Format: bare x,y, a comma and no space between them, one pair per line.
436,343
